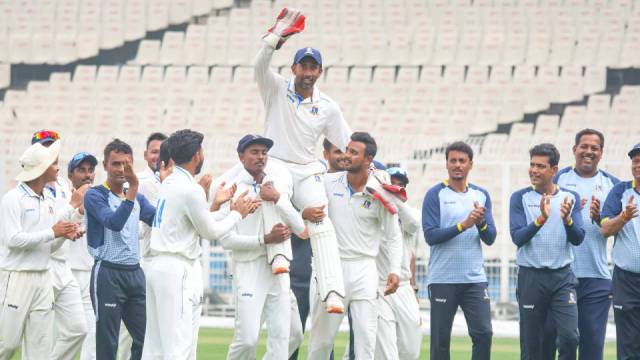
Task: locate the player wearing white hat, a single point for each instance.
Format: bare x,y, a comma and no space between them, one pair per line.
174,281
297,115
70,325
362,223
30,232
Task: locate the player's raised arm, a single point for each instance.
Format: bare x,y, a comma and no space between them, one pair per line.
288,22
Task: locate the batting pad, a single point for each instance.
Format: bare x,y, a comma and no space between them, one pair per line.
326,258
270,217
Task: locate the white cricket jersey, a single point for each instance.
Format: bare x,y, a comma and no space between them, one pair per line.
183,217
362,223
27,238
410,226
61,191
149,187
247,239
293,123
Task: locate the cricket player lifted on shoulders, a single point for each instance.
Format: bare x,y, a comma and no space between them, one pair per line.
297,115
362,223
174,275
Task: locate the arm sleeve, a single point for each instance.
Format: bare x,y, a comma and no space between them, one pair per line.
97,206
393,236
337,130
488,232
575,231
612,206
266,78
409,218
521,232
14,236
203,220
234,241
147,211
433,233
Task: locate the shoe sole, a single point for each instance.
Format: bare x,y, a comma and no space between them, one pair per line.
335,310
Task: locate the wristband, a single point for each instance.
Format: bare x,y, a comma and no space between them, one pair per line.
539,221
569,223
459,226
484,227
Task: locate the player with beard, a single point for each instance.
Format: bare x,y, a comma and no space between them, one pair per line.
362,223
297,114
174,278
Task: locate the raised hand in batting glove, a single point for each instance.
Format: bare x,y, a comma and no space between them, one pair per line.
288,22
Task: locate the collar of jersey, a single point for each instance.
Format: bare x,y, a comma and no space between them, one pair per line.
557,188
185,172
446,183
315,96
29,191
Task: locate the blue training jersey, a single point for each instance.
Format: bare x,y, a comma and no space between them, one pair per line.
456,257
626,248
546,246
590,257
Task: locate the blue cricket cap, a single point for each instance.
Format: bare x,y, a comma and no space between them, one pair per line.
634,151
79,158
249,139
308,51
399,173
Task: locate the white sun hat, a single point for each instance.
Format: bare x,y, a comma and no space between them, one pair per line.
36,160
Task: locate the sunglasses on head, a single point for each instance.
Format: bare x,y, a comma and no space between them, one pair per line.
46,134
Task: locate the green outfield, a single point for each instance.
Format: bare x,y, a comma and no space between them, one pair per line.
214,342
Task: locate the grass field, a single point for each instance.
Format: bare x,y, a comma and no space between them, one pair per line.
213,344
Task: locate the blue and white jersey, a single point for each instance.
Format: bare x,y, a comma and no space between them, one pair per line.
546,246
626,248
112,225
456,257
590,257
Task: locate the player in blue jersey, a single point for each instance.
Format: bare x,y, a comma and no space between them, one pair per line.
456,217
545,220
590,258
620,219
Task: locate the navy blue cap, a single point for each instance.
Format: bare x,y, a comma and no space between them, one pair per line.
304,52
634,151
253,139
79,158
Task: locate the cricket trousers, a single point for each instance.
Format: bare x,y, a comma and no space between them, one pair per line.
473,299
546,293
83,278
26,314
70,322
174,304
626,311
594,301
399,335
118,294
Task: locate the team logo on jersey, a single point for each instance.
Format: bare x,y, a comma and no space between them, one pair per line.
247,295
598,187
529,307
29,210
314,110
449,202
572,298
366,204
318,178
291,98
338,194
51,210
440,300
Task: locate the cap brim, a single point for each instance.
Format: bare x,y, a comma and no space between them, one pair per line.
633,153
90,158
35,172
308,56
264,141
